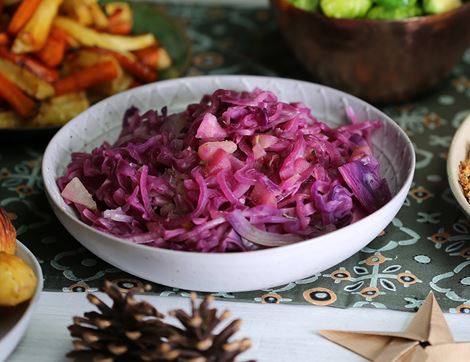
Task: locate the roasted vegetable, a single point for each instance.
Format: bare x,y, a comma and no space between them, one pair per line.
23,13
90,37
53,52
137,69
31,64
99,18
17,280
120,18
155,57
52,48
34,35
87,57
83,58
25,80
345,8
60,109
78,10
10,119
87,77
13,95
4,39
123,82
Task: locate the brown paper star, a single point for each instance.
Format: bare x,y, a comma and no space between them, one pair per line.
426,339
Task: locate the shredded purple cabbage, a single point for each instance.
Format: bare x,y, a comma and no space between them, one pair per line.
237,171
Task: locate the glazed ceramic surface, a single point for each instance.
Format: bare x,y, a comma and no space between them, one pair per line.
230,271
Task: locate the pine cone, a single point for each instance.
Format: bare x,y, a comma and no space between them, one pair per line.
197,342
129,330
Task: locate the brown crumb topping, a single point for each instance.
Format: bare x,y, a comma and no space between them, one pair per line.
464,177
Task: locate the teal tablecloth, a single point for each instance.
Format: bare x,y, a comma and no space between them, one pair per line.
426,247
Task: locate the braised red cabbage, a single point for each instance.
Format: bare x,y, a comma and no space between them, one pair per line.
237,171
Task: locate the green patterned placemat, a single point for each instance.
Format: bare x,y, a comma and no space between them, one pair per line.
425,248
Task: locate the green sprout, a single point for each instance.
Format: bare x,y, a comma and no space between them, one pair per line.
309,5
377,9
384,13
345,8
395,3
440,6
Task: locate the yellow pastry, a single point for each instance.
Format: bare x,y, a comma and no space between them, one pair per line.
17,280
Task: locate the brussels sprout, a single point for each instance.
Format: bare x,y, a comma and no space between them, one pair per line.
383,13
345,8
395,3
309,5
440,6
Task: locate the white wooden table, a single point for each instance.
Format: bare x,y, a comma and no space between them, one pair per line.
280,333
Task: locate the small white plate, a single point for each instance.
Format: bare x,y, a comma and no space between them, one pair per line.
15,320
458,152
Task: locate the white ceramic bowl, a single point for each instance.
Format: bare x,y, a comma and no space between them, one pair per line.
14,323
458,152
229,271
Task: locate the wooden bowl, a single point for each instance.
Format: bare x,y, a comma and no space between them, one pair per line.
380,61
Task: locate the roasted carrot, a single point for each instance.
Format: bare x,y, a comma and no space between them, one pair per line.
37,68
154,56
148,56
87,77
19,101
120,28
34,34
135,68
33,65
92,38
22,15
53,51
120,19
4,39
116,26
